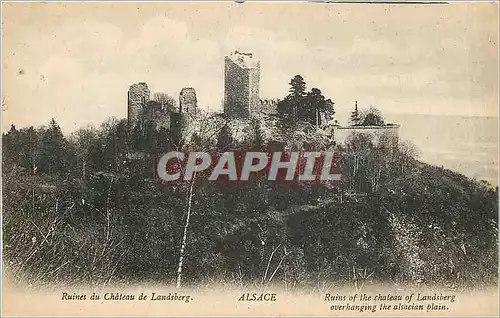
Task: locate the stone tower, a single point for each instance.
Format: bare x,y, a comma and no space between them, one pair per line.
241,85
138,96
188,101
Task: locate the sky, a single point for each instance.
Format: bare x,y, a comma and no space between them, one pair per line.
75,61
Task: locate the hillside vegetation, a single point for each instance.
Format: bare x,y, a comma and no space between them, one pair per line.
82,209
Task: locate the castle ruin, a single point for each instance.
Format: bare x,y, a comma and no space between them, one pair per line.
138,96
188,102
241,85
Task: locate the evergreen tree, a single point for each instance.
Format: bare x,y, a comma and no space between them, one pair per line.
316,104
329,109
10,146
297,93
54,150
12,130
300,105
297,86
290,108
355,118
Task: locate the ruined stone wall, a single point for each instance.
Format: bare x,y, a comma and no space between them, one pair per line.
268,106
138,96
188,102
154,112
236,90
254,85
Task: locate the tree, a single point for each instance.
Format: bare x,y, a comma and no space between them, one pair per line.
355,118
408,152
297,92
315,105
373,117
166,101
297,86
285,109
164,140
224,139
12,129
82,140
358,147
96,155
329,109
54,151
30,143
300,105
296,96
10,146
114,143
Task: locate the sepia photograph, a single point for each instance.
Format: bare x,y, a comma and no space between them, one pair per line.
249,159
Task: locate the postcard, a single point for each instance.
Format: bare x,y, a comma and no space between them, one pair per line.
249,159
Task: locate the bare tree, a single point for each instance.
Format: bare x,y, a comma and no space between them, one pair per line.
408,151
82,139
184,237
206,127
372,117
109,125
166,101
358,146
